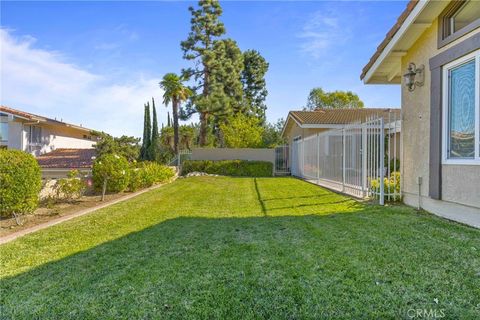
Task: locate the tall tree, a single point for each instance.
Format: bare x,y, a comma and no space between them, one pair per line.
254,84
154,148
146,133
242,131
123,146
199,46
174,92
320,99
272,135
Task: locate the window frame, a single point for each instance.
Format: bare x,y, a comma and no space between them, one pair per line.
4,120
445,34
446,108
30,136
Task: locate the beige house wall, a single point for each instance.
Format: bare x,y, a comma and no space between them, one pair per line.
460,183
249,154
53,137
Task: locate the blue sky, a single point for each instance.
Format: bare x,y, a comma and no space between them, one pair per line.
96,63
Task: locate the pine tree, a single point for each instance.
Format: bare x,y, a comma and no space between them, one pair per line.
146,133
254,85
153,150
199,46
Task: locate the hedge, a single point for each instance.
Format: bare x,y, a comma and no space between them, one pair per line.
145,174
235,168
20,182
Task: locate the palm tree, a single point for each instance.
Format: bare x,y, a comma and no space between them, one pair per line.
174,92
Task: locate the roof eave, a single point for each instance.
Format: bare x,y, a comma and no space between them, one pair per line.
408,28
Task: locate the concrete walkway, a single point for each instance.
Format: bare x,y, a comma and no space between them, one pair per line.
80,213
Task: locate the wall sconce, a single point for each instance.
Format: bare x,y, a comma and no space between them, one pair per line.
414,76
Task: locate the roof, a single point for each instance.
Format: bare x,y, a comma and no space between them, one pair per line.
401,19
67,159
338,116
34,117
384,67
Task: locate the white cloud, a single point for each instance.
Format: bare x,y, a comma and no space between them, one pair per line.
322,31
44,82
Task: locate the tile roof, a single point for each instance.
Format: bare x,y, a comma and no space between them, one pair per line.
340,116
34,117
64,158
390,34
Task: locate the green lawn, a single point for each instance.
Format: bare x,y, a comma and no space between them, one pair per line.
243,248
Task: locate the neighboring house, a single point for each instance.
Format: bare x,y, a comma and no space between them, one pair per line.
58,146
38,135
302,124
433,51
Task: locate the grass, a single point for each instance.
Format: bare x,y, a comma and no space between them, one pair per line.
243,248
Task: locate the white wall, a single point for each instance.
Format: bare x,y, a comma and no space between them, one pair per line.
52,138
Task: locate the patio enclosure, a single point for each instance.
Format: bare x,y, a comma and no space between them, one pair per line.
353,160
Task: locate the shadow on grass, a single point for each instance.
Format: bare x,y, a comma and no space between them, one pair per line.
300,267
364,263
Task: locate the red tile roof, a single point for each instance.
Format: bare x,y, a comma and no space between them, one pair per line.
67,159
401,19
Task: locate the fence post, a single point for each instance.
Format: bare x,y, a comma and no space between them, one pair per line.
382,158
343,160
318,158
364,160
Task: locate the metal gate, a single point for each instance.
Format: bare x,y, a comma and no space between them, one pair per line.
360,159
282,165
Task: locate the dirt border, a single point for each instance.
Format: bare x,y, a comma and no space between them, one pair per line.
12,236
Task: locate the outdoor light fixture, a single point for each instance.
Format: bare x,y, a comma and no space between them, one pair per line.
414,76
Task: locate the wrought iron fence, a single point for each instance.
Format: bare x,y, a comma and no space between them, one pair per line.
361,159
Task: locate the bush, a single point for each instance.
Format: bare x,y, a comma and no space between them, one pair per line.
394,165
114,169
390,185
145,174
20,182
72,187
236,168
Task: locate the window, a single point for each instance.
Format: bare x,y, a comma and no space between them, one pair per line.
461,110
459,18
35,135
3,128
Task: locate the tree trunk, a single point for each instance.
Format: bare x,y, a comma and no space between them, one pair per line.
104,189
175,125
203,129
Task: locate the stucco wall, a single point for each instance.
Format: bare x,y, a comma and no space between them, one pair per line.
460,184
234,154
296,131
53,137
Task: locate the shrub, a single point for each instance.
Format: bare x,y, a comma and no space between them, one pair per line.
20,182
145,174
113,169
390,184
394,165
72,187
236,168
